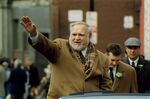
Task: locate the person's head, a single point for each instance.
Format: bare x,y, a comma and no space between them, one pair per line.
113,52
132,47
17,63
80,34
28,62
5,62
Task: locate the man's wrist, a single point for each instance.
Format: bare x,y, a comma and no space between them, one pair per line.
33,34
34,38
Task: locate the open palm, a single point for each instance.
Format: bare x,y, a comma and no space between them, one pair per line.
28,25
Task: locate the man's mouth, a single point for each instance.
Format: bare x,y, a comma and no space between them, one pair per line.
77,42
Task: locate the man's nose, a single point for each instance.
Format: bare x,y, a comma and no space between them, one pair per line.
77,37
115,63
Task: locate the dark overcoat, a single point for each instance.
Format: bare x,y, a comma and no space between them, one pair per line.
143,74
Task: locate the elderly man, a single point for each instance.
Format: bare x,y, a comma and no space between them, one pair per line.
76,65
142,66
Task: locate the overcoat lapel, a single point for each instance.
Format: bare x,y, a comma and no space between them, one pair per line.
117,80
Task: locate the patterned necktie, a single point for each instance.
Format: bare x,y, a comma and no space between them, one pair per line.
86,67
111,73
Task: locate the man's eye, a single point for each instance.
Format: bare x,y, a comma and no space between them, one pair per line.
81,34
74,34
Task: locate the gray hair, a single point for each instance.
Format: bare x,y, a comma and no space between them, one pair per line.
88,28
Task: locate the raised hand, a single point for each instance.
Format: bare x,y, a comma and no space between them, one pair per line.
28,25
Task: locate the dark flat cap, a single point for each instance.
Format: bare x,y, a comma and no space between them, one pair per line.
132,41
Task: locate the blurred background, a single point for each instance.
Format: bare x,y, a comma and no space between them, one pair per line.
113,21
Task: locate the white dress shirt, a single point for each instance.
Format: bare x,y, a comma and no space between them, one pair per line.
135,61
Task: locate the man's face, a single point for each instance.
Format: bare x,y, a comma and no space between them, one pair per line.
132,51
79,38
113,60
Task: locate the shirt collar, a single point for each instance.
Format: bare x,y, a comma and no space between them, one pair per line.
135,61
84,52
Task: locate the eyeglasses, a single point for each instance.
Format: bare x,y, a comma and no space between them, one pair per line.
133,47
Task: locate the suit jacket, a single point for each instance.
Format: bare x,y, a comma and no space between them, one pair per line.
127,83
67,75
143,75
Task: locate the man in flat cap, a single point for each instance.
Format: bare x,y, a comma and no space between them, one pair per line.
142,66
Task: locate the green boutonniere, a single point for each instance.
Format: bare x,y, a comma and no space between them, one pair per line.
119,75
141,67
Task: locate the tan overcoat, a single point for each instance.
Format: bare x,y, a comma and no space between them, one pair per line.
127,83
67,76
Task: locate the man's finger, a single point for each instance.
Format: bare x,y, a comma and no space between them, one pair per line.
25,19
